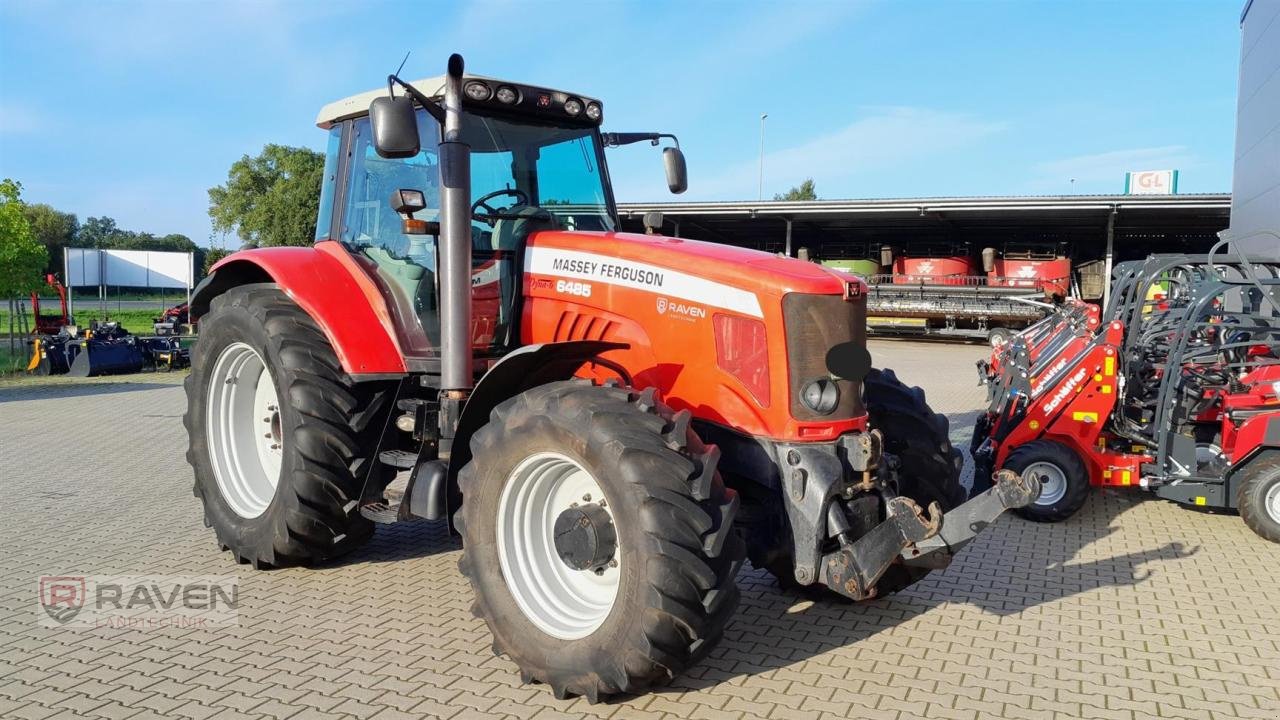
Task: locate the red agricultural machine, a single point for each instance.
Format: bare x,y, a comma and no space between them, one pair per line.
1175,387
610,421
50,324
941,288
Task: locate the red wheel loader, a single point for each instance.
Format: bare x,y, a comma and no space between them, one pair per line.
612,422
1174,388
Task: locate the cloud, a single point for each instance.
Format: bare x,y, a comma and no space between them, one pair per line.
887,138
1109,167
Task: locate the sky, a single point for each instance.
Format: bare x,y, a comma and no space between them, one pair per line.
134,109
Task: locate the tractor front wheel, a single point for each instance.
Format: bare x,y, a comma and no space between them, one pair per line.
1064,479
278,432
598,538
1259,498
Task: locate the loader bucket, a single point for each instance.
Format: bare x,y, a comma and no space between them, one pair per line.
107,357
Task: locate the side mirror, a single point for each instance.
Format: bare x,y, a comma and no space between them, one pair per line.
395,127
677,173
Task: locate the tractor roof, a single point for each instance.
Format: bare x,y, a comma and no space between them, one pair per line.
358,105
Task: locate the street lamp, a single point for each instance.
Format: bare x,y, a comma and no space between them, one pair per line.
760,196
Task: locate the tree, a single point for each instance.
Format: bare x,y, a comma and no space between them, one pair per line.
53,229
22,257
270,199
804,191
98,232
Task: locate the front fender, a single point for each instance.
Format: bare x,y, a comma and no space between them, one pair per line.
517,371
327,283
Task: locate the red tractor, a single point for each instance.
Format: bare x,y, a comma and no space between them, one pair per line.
612,422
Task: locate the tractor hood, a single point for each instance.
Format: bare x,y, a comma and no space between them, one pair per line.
667,264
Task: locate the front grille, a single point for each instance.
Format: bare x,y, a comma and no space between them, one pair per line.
815,323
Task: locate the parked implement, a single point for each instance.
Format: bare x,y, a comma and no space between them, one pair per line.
1174,387
600,415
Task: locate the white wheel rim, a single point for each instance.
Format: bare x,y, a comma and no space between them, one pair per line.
997,339
563,602
1053,482
1272,502
242,427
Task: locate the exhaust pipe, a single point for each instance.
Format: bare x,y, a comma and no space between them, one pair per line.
455,243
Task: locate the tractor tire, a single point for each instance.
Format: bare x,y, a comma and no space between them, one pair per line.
664,572
294,500
1259,495
1063,475
928,467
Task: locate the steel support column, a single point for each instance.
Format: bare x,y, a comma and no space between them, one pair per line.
1106,267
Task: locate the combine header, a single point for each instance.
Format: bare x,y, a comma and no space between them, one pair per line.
1175,387
938,289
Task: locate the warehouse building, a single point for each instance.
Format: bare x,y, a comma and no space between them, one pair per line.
1094,230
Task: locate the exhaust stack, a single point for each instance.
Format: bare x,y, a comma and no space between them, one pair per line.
455,241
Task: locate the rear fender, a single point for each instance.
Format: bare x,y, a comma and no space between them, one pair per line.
327,283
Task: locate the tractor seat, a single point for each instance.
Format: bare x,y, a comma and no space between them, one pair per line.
510,231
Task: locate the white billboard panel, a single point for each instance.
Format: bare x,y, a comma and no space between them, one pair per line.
83,267
131,268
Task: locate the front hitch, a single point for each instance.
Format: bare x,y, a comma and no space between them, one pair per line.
920,539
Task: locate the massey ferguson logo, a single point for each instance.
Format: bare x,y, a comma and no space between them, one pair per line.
62,596
1065,391
666,305
1026,271
926,267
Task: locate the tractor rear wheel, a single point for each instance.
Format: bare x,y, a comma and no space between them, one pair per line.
1259,498
928,466
278,432
598,538
1064,479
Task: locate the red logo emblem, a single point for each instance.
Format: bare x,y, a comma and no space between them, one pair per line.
62,596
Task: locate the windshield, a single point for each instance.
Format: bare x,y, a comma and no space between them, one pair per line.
530,165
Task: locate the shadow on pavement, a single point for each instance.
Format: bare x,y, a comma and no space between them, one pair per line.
1015,566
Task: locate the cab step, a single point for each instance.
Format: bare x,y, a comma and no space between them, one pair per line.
399,459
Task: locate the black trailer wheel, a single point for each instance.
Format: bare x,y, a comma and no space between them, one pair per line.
998,337
278,433
598,538
1064,479
1259,498
928,471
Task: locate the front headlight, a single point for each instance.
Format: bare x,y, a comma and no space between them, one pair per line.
821,396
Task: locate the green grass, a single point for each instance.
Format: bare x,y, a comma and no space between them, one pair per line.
138,322
16,361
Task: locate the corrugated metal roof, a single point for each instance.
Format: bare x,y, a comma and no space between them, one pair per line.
784,208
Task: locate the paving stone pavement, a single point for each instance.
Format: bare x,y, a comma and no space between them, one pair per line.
1135,608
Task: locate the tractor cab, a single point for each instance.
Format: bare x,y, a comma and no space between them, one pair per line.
537,163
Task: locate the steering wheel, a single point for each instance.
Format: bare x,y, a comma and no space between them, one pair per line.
491,214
